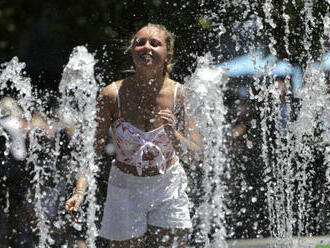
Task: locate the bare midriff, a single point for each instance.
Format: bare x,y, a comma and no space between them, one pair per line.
146,172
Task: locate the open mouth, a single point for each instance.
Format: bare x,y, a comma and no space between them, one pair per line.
146,57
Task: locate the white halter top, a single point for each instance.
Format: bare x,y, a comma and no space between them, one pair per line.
131,143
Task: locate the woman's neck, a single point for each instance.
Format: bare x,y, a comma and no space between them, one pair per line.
148,79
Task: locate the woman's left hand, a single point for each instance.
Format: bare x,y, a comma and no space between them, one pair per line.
169,121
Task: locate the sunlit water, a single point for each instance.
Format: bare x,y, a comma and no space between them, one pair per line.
204,95
79,89
286,152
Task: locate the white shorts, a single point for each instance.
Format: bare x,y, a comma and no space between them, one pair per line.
135,202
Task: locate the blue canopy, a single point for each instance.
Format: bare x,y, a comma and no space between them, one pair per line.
256,64
324,64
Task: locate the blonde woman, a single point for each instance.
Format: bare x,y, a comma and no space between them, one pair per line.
146,201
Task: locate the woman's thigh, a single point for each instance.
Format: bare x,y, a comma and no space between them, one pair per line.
164,237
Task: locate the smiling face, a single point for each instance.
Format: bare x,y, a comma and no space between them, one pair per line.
149,49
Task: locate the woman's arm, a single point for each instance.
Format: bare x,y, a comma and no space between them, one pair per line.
183,130
106,107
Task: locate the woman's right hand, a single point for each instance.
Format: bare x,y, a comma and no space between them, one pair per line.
74,202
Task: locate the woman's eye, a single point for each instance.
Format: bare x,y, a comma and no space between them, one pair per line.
139,42
154,43
142,42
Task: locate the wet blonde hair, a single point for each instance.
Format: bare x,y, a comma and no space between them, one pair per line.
169,40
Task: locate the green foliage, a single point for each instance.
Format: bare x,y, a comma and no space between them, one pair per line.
44,32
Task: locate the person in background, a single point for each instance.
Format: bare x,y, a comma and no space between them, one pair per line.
15,211
18,210
146,201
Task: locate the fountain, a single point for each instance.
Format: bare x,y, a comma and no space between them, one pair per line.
265,123
79,85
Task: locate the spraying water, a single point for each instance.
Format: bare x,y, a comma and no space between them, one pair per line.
78,88
203,93
285,152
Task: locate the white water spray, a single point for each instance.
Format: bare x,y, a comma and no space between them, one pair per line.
79,89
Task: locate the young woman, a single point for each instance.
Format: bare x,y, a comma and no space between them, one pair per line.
146,200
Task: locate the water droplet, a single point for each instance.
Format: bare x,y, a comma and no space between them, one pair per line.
165,238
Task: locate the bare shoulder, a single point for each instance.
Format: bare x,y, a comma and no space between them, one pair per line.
110,91
178,87
174,84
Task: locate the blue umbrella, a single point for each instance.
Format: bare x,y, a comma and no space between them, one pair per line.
256,64
325,62
245,65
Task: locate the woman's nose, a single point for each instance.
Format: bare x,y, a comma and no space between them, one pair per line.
147,45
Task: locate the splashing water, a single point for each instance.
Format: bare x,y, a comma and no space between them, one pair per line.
204,103
13,73
79,89
286,153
